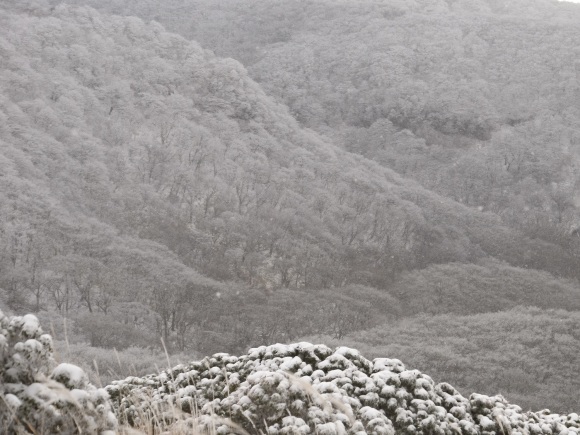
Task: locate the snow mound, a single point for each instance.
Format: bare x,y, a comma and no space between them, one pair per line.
34,398
307,389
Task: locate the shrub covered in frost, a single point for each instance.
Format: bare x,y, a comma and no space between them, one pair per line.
36,396
304,388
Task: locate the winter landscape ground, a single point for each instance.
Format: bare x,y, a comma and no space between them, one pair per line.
186,178
280,389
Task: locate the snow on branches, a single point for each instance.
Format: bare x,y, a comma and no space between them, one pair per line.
304,388
36,396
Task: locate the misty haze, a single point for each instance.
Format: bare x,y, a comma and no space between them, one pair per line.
367,211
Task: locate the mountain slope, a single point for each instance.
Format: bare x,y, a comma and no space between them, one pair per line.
151,188
475,99
139,167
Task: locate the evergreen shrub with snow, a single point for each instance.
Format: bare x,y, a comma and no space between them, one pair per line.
39,396
304,388
280,389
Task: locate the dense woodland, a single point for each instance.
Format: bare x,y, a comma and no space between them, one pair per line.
397,176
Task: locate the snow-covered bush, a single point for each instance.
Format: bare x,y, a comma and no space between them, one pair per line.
280,389
36,396
304,388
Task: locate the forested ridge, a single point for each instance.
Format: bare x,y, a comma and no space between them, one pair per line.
366,166
481,85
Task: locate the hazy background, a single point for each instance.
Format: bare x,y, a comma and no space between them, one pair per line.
400,177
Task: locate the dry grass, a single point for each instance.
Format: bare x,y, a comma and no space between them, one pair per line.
168,418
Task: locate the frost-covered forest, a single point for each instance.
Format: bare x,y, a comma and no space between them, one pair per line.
185,177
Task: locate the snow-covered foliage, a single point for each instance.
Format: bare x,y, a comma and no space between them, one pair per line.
304,388
280,389
36,396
